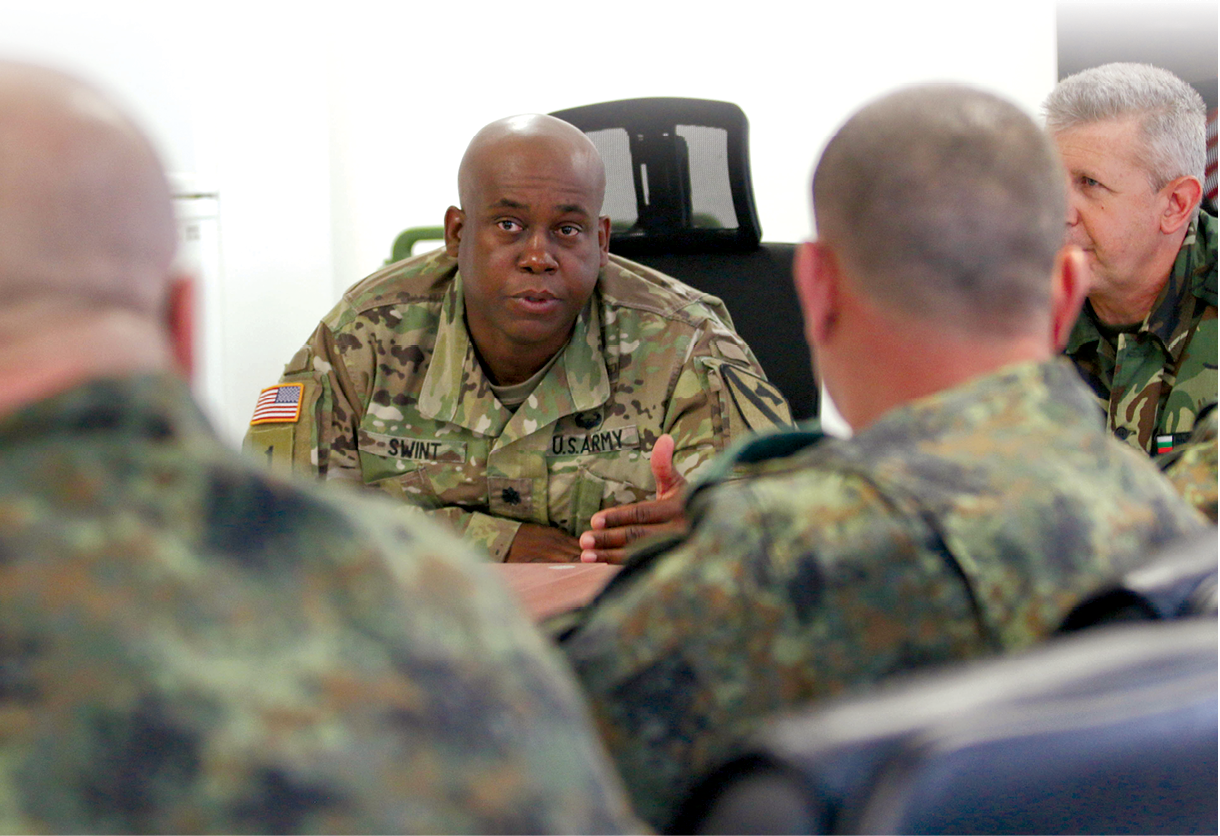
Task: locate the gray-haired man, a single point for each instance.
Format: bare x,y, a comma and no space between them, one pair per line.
1132,139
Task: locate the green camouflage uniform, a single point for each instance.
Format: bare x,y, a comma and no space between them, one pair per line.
1193,467
191,644
394,396
1153,382
961,524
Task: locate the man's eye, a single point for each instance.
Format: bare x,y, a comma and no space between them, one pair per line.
568,230
1088,181
508,226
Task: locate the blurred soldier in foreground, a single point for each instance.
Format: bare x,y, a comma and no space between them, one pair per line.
977,502
190,644
523,384
1132,138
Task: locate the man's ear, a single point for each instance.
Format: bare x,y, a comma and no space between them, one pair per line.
815,271
603,238
1069,286
1183,195
180,323
455,222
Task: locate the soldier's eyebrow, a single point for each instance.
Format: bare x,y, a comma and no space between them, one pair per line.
563,208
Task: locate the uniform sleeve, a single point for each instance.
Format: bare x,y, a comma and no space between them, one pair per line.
1193,468
494,705
320,439
721,395
756,610
493,535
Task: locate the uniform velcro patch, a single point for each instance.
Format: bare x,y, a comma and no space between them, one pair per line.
759,402
279,404
606,441
412,449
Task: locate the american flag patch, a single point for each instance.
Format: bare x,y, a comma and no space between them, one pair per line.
278,404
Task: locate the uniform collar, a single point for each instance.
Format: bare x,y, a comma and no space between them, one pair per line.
152,406
456,390
1173,313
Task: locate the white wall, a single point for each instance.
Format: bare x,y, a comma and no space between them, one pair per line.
326,129
797,69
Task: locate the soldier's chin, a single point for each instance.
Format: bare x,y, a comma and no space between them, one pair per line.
540,330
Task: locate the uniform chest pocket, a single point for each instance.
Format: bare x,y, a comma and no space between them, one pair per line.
414,462
576,495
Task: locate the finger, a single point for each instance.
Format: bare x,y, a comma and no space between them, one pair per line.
662,463
648,512
604,556
613,538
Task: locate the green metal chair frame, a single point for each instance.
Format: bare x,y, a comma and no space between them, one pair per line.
406,240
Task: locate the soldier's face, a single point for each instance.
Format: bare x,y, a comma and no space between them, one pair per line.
1114,214
530,246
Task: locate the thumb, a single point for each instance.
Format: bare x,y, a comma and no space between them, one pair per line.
662,462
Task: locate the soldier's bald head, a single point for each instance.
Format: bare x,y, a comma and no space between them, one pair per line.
85,210
520,141
945,203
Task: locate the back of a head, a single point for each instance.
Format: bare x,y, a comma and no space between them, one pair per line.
85,209
946,204
1172,115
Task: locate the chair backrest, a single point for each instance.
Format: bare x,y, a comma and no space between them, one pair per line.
1178,583
677,174
680,199
757,288
1107,731
405,243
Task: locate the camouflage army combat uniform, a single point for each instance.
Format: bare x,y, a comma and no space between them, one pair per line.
1153,382
962,524
193,645
393,395
1193,466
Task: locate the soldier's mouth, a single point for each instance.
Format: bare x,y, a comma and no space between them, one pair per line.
536,302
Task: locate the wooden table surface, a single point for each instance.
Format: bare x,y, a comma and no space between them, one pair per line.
550,588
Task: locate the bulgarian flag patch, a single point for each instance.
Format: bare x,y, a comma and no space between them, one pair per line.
1164,443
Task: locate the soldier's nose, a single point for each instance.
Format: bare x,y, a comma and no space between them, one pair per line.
536,256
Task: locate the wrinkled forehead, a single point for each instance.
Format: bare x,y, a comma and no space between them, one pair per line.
493,171
1105,140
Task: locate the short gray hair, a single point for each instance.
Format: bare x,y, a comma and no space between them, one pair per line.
948,204
1171,113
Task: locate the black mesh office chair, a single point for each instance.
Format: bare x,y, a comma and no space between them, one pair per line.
1106,731
680,199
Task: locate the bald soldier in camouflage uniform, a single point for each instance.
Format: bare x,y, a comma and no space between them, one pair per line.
977,502
517,383
190,644
1132,138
